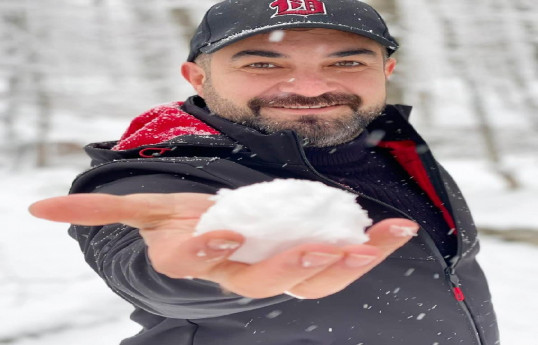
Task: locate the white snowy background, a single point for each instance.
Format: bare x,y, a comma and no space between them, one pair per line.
76,71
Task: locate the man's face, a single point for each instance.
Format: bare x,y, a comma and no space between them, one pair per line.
327,85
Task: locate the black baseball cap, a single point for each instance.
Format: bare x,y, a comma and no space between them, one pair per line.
230,21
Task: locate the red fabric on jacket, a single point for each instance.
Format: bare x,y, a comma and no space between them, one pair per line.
405,152
160,124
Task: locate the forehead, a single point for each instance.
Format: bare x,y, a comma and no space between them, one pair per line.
304,37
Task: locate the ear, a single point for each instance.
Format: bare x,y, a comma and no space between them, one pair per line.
195,75
390,64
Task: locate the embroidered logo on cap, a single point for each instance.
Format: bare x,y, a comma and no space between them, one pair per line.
298,7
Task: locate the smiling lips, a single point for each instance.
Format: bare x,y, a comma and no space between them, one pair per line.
301,107
301,104
308,106
298,110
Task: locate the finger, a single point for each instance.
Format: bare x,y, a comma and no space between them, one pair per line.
178,254
138,210
277,274
385,237
391,234
358,260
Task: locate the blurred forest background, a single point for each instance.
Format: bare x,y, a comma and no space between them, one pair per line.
76,71
73,71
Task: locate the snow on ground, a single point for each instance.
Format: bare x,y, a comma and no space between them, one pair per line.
493,205
47,292
48,295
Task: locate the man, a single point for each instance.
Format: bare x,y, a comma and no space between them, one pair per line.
286,89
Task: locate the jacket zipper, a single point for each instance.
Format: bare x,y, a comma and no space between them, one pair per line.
450,271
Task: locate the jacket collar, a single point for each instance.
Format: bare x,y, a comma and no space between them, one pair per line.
280,147
284,146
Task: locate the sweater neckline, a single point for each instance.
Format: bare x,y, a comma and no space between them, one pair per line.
343,154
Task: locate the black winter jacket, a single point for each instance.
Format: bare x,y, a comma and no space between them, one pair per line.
412,298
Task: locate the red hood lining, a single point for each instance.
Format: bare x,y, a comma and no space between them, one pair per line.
161,124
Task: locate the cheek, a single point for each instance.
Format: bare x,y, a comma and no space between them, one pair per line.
237,89
370,88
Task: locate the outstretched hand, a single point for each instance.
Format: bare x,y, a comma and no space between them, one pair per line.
167,222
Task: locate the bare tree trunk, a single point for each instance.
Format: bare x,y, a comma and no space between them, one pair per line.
10,114
152,48
183,20
43,100
44,116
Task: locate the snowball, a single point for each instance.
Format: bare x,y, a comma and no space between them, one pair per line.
278,215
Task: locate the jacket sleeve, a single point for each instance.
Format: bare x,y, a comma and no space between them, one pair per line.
118,253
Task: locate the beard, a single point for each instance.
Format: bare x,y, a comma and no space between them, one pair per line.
314,130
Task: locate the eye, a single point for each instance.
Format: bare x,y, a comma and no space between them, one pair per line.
261,65
348,64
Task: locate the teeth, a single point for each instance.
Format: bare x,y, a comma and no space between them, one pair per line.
308,107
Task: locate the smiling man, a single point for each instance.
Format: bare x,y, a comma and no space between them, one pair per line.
326,85
285,89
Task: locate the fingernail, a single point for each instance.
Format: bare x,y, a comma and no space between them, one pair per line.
216,259
219,244
359,260
316,259
403,231
203,254
292,295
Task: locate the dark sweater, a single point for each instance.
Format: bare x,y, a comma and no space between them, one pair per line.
372,171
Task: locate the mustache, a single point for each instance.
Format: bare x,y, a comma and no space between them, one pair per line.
326,99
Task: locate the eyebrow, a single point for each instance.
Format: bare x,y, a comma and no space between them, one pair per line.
272,54
262,53
346,53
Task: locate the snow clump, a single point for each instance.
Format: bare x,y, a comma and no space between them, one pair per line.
277,36
278,215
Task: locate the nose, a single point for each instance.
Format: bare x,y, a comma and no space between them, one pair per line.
308,83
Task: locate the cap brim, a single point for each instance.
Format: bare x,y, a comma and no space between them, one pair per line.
213,47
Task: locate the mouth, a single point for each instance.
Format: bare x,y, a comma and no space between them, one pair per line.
308,106
320,109
294,104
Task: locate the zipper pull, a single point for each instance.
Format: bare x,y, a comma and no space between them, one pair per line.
455,282
460,297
